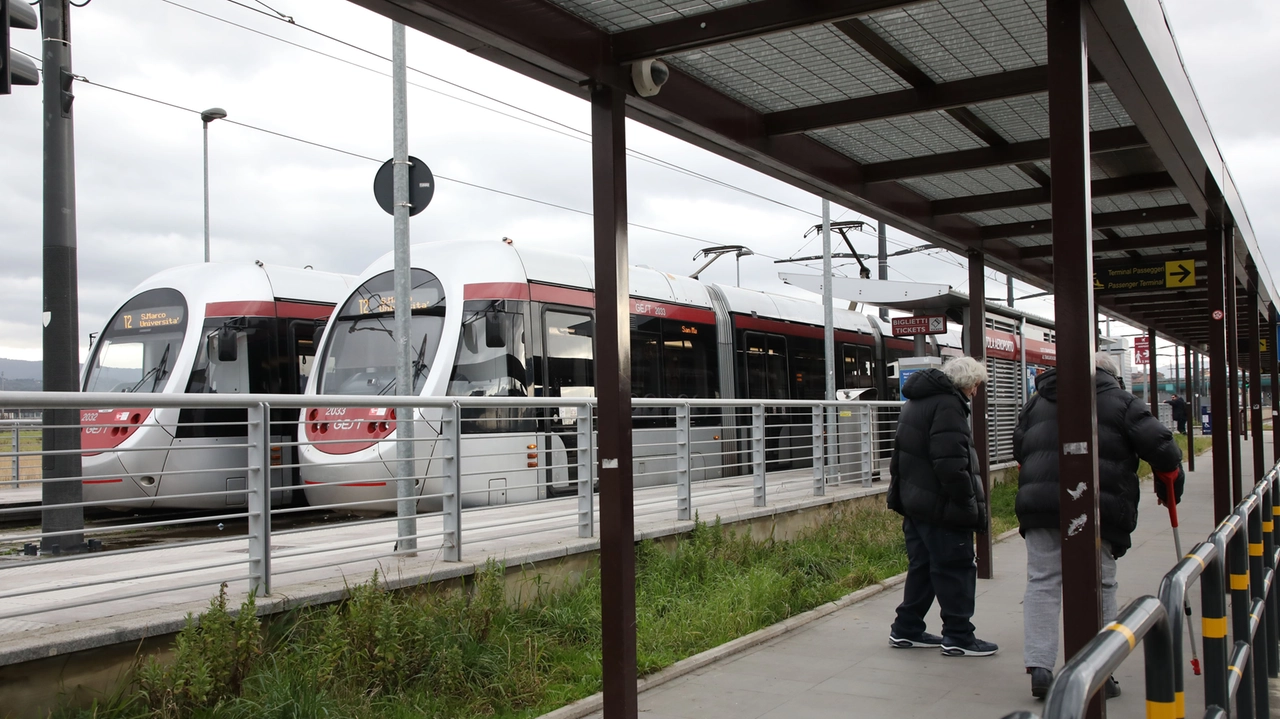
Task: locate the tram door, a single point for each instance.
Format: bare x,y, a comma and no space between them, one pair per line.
764,371
568,370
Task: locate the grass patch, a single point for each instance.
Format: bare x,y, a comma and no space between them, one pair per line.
431,652
1202,444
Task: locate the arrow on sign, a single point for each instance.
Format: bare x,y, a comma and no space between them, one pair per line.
1182,273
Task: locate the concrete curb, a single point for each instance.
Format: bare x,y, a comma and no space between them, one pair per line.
594,703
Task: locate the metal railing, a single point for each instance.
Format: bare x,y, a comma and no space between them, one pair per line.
13,432
487,472
1239,557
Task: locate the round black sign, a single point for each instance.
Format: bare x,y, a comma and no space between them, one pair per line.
422,186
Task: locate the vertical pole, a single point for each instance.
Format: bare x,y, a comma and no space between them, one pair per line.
586,495
884,262
450,441
1273,341
684,511
406,509
258,484
1023,395
1218,408
17,461
1073,287
1233,359
819,449
206,189
1239,552
758,455
1255,330
613,387
1193,416
1153,373
61,463
828,314
1259,662
1213,623
1008,284
977,331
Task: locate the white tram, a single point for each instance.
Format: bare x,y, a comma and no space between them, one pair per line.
206,328
491,320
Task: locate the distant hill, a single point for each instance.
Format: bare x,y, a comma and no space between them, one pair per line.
13,369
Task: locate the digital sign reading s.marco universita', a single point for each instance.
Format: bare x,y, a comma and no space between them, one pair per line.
378,304
150,318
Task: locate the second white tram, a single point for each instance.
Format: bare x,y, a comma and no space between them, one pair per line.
491,320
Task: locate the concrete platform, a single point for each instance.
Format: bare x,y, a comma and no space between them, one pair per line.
840,664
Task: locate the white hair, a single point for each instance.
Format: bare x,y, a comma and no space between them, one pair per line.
1107,362
965,372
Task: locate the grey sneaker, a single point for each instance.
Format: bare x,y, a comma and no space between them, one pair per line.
971,647
924,641
1112,688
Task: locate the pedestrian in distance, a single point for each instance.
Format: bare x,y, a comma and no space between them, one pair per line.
1127,432
1178,406
936,485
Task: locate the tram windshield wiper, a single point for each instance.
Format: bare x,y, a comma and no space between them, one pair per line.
159,372
420,366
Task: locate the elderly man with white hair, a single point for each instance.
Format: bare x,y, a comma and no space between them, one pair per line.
936,486
1127,432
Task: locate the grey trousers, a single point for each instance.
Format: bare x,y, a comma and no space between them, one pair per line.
1042,604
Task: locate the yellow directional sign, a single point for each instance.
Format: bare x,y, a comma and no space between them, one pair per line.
1180,273
1262,344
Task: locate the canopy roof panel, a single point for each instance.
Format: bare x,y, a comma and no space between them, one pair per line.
931,115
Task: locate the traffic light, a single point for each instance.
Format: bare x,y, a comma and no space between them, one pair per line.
14,68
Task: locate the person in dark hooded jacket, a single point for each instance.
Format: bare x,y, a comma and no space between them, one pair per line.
1127,432
936,485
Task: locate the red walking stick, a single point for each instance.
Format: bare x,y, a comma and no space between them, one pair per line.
1172,503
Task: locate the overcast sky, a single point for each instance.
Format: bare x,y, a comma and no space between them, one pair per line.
138,163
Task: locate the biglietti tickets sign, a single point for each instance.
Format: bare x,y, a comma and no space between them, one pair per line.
926,325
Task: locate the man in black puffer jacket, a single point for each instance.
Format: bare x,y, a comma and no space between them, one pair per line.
936,485
1126,433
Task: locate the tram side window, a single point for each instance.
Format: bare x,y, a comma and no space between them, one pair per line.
646,356
689,360
808,367
248,372
490,363
763,366
569,354
302,335
858,362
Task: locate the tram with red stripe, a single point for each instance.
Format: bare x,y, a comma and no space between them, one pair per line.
200,329
491,320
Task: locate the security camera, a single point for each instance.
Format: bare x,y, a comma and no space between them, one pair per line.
648,76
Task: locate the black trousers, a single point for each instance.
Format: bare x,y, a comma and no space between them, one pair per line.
941,564
1182,426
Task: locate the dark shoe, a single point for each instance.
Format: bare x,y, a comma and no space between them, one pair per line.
1112,688
1041,678
971,647
924,641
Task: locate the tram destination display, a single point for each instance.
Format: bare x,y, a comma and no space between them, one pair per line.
151,318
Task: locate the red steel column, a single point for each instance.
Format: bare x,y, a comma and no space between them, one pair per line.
613,390
1073,295
978,350
1233,358
1218,375
1272,342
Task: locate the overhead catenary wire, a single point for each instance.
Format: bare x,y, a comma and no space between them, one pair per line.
83,79
567,131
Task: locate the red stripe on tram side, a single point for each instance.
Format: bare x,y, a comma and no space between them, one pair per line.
290,309
100,481
680,313
496,291
793,329
249,308
894,343
562,295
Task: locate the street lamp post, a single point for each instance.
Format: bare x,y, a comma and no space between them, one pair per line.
208,116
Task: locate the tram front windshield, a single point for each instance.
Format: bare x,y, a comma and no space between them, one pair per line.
139,348
360,357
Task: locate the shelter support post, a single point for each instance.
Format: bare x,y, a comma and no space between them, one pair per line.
1273,339
1153,374
1222,495
1256,333
978,350
1193,415
1233,359
1073,288
613,388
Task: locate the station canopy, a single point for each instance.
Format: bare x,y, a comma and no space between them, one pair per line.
932,116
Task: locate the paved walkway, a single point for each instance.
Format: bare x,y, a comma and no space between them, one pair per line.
841,665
